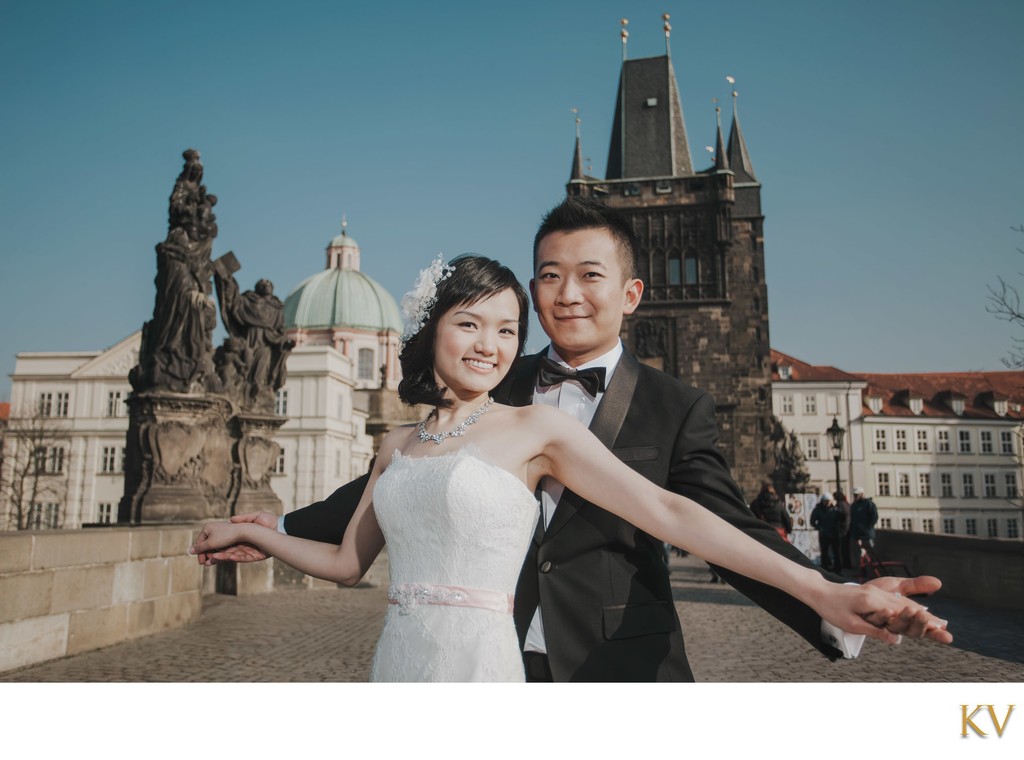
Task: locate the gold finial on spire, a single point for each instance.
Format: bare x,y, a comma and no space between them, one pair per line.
732,83
624,34
590,166
668,32
576,113
344,223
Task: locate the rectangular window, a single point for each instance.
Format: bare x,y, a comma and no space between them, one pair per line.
922,440
964,436
993,528
1006,441
365,364
903,483
986,442
881,440
810,404
115,404
901,440
281,402
45,408
989,481
105,513
811,447
109,460
971,526
50,460
279,464
968,481
946,481
906,524
44,516
1011,485
786,404
883,484
948,525
886,523
1012,530
924,483
63,402
943,438
928,525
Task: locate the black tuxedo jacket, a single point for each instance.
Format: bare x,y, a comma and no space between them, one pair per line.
603,584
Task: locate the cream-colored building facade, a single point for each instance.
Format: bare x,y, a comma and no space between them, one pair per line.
938,452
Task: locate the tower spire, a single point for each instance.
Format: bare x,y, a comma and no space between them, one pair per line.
576,173
739,158
721,157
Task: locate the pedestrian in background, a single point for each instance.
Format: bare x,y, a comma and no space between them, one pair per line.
828,518
768,506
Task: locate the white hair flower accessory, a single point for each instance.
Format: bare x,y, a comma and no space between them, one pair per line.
417,302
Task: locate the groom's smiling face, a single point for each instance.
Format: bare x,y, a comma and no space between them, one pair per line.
580,292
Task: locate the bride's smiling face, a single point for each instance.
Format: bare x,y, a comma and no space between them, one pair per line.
475,344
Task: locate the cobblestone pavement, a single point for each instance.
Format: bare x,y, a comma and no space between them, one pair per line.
329,635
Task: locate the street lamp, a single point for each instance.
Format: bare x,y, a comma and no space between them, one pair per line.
835,437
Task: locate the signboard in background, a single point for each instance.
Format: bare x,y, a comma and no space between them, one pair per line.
804,537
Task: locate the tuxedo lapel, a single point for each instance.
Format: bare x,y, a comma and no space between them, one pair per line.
607,423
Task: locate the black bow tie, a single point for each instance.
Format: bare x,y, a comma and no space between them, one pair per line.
552,373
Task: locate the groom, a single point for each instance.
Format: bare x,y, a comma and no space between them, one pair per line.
594,601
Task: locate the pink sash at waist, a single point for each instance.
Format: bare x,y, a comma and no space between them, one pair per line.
410,595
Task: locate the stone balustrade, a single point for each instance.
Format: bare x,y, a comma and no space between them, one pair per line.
65,592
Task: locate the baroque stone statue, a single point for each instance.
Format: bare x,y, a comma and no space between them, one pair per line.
177,349
251,363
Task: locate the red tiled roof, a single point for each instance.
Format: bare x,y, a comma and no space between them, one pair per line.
808,373
5,410
978,389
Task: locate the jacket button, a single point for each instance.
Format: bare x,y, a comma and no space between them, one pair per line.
546,567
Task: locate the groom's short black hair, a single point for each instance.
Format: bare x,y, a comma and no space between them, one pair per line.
587,214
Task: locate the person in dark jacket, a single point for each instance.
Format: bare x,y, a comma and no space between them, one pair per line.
863,517
768,506
829,518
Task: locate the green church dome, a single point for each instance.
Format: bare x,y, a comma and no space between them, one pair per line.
342,298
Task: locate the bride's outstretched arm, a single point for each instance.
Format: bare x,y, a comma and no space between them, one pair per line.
345,564
573,456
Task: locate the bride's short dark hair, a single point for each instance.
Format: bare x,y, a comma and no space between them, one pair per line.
474,278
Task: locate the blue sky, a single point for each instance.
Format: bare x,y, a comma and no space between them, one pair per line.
886,136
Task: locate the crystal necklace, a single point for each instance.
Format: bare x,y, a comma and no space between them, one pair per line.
456,431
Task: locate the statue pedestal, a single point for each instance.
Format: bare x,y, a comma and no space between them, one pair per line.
178,463
257,453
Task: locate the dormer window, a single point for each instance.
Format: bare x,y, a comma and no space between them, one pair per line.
875,404
956,403
785,372
916,405
1000,407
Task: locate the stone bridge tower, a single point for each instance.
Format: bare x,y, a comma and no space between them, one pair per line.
704,316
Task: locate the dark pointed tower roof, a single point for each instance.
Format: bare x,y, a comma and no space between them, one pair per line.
649,132
576,173
739,159
721,156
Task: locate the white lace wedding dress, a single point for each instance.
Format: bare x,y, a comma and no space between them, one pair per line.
457,530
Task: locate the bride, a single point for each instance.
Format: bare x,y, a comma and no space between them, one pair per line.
453,497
